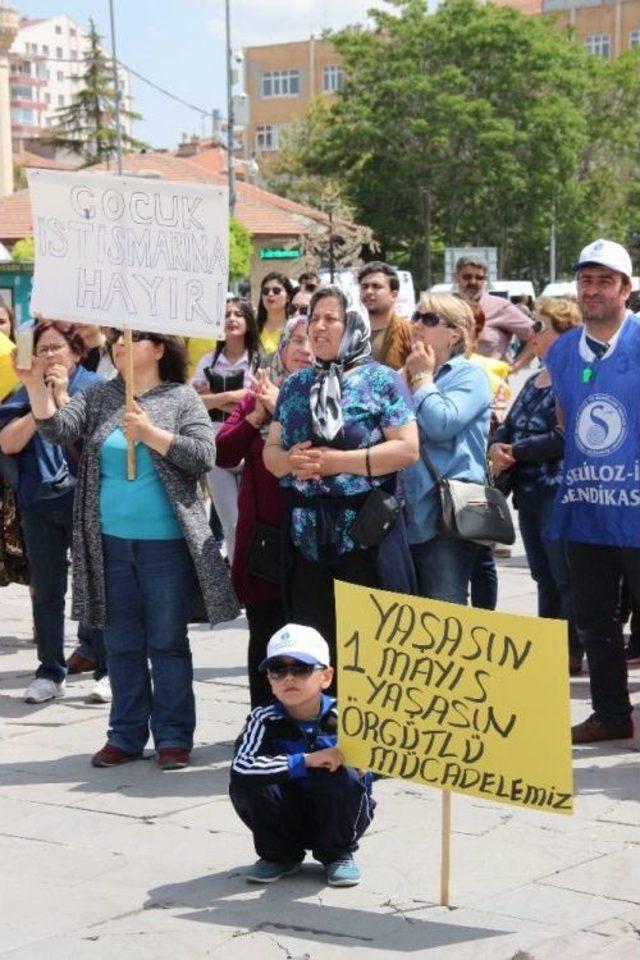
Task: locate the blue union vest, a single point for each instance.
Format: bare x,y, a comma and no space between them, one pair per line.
599,498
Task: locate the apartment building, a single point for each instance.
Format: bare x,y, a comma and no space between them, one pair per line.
607,29
280,80
44,60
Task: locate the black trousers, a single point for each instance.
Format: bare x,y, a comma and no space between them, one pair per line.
325,812
595,573
264,620
312,601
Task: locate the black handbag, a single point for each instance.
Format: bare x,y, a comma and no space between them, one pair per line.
264,556
220,383
471,511
374,519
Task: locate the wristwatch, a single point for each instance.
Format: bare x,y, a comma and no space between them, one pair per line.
417,377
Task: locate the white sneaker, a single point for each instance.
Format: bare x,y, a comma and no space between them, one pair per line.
101,692
40,690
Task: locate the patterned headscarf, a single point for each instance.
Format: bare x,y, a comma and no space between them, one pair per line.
277,370
326,389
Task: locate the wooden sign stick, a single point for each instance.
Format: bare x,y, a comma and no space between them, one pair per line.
128,381
445,848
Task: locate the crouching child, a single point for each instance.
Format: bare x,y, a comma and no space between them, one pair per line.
289,783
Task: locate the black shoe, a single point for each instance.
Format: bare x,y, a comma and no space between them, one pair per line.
632,652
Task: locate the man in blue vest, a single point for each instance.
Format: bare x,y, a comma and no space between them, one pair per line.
596,380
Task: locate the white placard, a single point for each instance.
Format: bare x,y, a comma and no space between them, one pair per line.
130,252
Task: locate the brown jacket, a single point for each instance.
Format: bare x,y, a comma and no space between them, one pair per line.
396,346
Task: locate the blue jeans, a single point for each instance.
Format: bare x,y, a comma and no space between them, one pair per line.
484,580
548,564
443,568
149,594
47,537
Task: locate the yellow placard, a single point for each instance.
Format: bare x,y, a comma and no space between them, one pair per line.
453,697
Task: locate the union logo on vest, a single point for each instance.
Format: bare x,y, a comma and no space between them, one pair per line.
601,425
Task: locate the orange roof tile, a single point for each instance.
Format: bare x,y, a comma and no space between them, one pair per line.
263,213
27,159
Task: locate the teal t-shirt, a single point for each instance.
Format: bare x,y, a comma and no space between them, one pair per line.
133,509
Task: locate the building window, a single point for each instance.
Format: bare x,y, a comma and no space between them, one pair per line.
332,79
74,54
598,44
47,98
281,83
61,100
34,47
22,93
266,138
73,32
58,29
18,115
59,76
634,38
59,53
45,50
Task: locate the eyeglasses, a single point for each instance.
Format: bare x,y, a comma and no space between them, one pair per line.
52,349
274,290
278,670
429,319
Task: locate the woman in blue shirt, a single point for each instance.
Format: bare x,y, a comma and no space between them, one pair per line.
340,428
142,546
452,399
45,495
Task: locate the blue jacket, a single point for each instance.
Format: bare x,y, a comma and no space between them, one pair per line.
272,746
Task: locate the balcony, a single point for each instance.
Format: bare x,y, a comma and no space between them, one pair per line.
28,104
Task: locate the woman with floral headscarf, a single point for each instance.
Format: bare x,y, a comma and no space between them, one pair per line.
340,428
260,500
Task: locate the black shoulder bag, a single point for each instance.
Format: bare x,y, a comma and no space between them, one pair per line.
471,511
376,516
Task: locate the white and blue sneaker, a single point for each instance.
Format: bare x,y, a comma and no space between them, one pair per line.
343,872
266,871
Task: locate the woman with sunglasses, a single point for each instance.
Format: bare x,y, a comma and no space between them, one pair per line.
276,291
341,428
223,379
141,547
260,500
452,399
45,497
526,456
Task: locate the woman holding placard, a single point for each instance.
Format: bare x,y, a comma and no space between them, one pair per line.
223,379
142,547
276,291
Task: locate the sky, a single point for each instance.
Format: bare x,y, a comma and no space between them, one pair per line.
179,44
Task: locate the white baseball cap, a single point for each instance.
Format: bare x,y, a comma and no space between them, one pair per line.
605,253
299,643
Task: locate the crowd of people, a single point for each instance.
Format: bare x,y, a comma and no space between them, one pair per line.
322,434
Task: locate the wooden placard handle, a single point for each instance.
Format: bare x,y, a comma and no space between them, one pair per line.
445,848
129,396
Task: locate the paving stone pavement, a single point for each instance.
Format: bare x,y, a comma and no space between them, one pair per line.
132,862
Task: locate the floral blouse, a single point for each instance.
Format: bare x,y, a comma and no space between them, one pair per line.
373,398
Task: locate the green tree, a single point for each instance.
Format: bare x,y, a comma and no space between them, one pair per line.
24,249
240,250
471,125
87,126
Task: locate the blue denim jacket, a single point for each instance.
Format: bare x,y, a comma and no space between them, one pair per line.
453,415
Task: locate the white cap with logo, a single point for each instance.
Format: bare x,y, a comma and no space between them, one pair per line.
605,253
299,643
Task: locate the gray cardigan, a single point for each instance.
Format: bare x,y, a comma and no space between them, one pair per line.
92,416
